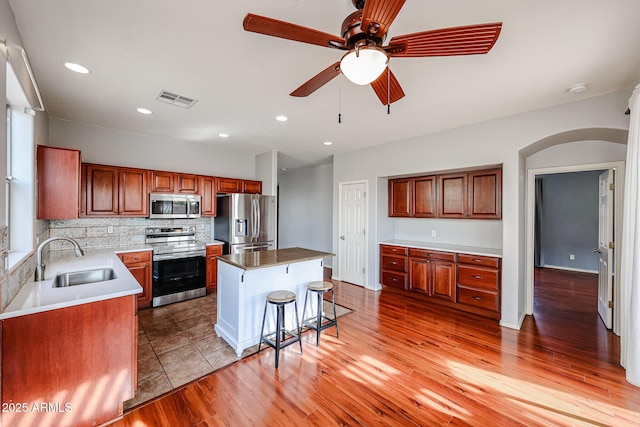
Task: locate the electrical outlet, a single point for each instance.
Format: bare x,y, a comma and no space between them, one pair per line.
110,229
572,257
433,233
201,226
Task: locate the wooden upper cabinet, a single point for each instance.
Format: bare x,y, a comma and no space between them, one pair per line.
100,186
424,197
400,197
485,194
234,185
58,174
162,182
132,191
452,202
111,191
252,187
229,185
413,197
187,183
208,194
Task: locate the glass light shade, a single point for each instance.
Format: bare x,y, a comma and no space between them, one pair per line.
364,67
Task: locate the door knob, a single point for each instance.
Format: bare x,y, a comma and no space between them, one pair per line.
597,251
341,237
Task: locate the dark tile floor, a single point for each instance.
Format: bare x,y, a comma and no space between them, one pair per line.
177,344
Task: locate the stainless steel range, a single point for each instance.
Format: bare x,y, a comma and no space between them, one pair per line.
179,264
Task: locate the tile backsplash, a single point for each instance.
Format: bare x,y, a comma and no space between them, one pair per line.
93,233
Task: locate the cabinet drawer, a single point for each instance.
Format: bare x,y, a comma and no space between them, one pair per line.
479,260
214,250
132,257
398,250
478,277
482,299
394,263
396,280
429,254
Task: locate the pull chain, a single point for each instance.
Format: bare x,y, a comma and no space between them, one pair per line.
340,100
388,91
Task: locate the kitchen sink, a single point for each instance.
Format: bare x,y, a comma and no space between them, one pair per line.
83,277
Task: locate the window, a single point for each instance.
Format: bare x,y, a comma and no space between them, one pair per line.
19,203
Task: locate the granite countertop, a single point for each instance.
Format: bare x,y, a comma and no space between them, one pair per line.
263,259
36,297
471,250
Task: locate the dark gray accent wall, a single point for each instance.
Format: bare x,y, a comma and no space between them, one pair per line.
570,220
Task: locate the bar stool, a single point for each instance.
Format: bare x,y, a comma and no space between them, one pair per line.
280,299
320,288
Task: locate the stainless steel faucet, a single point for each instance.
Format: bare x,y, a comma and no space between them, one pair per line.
40,264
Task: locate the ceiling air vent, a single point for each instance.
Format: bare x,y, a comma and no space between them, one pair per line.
175,99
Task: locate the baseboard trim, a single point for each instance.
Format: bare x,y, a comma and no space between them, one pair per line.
577,270
515,326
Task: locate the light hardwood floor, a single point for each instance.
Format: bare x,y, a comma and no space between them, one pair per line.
402,361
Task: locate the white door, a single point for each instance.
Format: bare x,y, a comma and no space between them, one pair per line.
605,248
352,229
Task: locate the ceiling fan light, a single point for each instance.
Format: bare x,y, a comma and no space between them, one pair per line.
365,65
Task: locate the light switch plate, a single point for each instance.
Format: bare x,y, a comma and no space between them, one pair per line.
110,229
433,233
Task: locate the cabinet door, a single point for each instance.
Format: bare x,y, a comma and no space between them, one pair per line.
424,197
229,185
208,194
133,194
58,174
485,194
101,190
139,264
443,280
252,187
212,265
187,183
419,274
452,200
400,197
162,182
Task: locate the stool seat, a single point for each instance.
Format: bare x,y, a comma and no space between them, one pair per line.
320,286
281,297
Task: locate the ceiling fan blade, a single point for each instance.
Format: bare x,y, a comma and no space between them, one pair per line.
378,15
287,30
317,81
387,80
467,40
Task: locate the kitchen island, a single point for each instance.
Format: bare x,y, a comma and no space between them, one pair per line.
244,280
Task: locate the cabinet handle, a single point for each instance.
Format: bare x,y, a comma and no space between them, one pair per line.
477,260
394,280
476,298
393,262
477,277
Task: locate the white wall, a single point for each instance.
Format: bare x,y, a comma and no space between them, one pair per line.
494,142
267,172
577,153
120,148
306,208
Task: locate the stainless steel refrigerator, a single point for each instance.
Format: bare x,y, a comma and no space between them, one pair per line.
245,222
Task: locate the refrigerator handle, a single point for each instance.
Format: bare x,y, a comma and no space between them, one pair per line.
259,216
254,218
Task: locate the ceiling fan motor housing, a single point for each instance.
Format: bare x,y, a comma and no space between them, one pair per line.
358,4
353,34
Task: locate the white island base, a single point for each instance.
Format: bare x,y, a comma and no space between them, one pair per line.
242,294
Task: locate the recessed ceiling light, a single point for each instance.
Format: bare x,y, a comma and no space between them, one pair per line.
282,118
328,143
284,169
77,68
223,135
577,88
144,111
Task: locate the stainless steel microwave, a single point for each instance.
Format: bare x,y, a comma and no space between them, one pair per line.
174,206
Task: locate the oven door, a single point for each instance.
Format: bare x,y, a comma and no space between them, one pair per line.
177,275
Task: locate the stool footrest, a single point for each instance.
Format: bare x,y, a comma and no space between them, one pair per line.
293,338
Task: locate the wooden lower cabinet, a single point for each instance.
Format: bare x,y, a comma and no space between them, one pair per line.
79,362
433,273
212,266
393,266
140,265
466,282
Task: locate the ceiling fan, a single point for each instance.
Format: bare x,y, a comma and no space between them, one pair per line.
363,34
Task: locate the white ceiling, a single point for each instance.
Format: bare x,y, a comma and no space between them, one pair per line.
198,48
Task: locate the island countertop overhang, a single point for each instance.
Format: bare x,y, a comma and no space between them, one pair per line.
264,259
